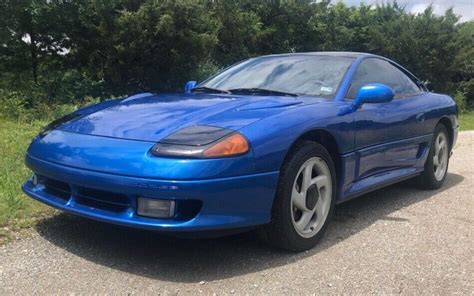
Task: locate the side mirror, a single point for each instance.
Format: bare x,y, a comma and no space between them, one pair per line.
188,87
373,94
370,94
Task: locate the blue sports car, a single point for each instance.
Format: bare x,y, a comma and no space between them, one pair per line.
271,143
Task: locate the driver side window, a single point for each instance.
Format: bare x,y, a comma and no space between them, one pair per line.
373,70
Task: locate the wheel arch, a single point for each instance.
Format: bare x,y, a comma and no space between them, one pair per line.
449,127
328,141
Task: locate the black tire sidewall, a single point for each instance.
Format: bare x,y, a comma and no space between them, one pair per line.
282,219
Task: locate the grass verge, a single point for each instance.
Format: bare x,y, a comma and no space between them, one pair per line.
16,210
466,121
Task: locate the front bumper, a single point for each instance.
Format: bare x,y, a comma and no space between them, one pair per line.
225,203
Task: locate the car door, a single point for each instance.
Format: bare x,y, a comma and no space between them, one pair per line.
389,135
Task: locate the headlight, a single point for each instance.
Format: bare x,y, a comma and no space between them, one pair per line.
202,142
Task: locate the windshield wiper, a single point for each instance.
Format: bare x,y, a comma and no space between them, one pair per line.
209,90
261,91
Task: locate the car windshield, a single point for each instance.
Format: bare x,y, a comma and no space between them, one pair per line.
313,75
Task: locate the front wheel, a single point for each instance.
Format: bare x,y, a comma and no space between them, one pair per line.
305,198
436,166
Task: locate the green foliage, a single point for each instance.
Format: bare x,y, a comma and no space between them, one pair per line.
59,51
12,106
466,121
464,61
461,101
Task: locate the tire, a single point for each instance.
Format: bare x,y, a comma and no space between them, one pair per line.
288,229
431,178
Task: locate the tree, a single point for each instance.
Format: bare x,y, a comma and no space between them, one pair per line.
463,81
63,50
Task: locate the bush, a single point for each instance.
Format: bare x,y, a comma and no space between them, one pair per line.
16,106
467,87
11,105
205,70
68,87
461,101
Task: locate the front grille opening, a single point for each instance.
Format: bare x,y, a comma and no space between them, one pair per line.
104,196
187,209
104,200
97,204
57,188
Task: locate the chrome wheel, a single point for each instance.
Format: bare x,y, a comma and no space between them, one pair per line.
440,156
311,197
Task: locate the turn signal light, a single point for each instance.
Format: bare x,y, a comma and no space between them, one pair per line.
233,145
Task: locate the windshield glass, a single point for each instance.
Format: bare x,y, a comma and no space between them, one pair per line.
314,75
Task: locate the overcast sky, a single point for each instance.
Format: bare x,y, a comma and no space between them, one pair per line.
464,8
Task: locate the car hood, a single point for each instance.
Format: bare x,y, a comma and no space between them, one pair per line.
148,117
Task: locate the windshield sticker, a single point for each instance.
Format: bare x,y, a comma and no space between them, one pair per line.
326,89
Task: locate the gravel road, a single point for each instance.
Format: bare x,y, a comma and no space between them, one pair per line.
395,240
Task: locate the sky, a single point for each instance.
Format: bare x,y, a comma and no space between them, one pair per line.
463,8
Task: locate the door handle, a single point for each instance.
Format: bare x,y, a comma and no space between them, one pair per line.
420,117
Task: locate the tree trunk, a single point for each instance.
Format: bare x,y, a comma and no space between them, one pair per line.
34,59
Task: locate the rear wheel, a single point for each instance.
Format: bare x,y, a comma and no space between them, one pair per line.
436,166
305,199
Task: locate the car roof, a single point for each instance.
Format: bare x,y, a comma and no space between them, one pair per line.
349,54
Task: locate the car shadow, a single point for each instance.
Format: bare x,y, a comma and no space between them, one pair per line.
149,254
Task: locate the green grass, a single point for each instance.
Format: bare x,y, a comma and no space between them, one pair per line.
16,210
466,121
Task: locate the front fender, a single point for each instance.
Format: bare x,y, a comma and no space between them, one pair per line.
272,137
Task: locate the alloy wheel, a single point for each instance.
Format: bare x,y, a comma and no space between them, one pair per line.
311,197
440,156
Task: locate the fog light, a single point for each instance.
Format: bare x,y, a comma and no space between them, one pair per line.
155,208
